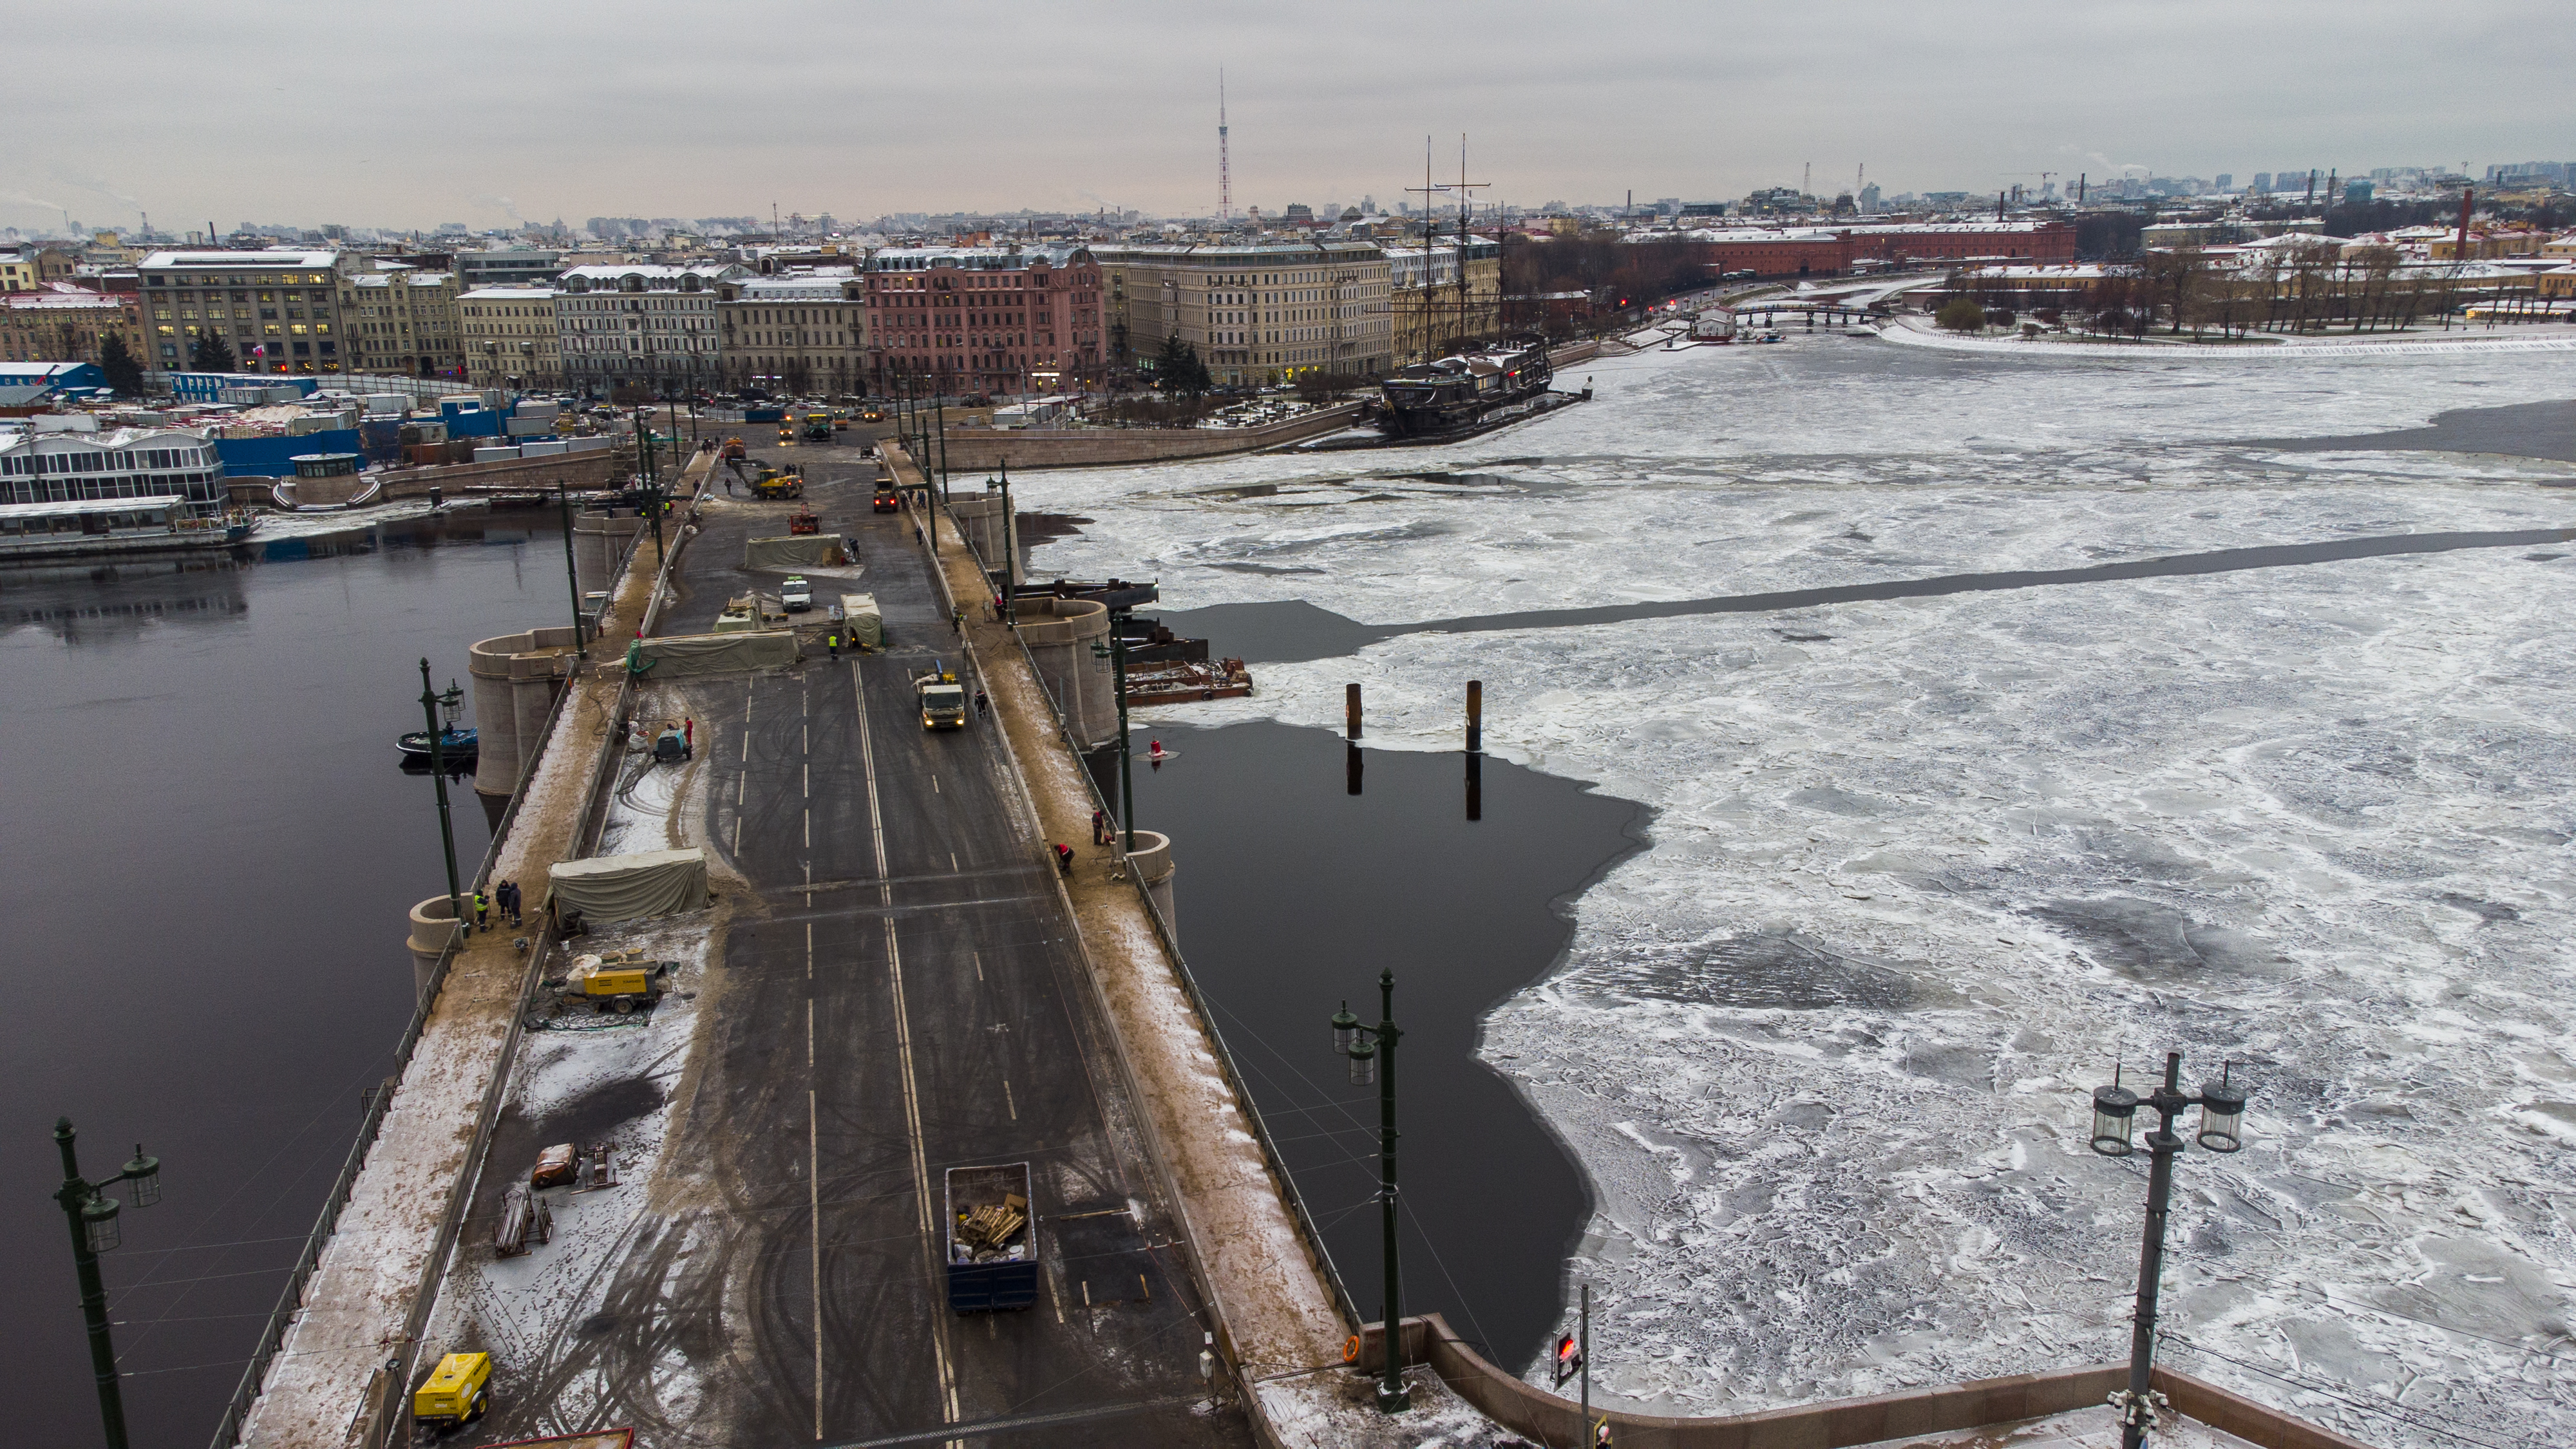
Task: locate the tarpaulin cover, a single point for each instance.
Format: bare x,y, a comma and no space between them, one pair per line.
802,550
859,615
622,887
679,656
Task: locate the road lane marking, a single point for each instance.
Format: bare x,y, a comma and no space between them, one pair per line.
809,1006
903,1048
1009,1101
979,964
737,836
814,1204
809,831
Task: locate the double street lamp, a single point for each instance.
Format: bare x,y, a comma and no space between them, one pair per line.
1364,1045
92,1216
2222,1129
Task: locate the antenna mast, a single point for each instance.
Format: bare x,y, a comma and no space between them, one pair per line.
1224,163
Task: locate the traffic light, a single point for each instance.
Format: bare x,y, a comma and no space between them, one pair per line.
1569,1360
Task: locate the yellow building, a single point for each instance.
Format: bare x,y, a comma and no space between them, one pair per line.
1429,312
1260,312
401,322
509,337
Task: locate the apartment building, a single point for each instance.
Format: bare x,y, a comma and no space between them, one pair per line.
59,322
798,332
640,324
1257,313
278,309
401,320
510,337
983,319
1428,310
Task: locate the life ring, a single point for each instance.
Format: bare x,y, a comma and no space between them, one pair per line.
1351,1349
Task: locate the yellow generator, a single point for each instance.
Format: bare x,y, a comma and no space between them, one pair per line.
454,1394
620,982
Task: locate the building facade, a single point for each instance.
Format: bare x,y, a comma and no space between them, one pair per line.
510,337
797,332
63,323
518,267
639,324
1428,310
278,310
1254,314
70,467
983,319
401,322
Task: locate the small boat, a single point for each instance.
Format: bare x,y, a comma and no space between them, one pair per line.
455,746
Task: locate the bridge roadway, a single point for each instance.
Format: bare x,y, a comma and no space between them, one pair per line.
901,993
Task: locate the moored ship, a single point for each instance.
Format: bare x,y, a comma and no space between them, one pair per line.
1453,394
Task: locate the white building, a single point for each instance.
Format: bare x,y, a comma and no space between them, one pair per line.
640,324
66,466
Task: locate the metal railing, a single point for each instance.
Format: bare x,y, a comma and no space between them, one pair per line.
379,1104
1199,1003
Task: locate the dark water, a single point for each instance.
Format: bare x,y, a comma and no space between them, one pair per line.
209,850
1294,631
2526,430
1292,896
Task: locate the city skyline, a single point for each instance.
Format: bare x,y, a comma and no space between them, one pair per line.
1076,110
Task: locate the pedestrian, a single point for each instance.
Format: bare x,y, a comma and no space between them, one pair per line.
1064,859
518,906
832,641
916,533
728,487
482,910
1099,827
957,619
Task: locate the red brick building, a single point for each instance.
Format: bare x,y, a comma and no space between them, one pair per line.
982,319
1828,251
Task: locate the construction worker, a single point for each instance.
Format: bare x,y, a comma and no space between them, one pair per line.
1064,859
482,911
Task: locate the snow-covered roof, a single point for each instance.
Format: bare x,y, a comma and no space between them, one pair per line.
511,294
74,508
277,257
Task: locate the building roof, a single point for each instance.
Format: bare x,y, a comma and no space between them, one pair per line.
76,507
812,286
276,257
1232,252
973,259
57,296
26,372
415,278
511,294
108,441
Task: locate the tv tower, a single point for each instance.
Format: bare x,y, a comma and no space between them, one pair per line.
1224,166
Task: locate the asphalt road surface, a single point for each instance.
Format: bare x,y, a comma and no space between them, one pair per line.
906,995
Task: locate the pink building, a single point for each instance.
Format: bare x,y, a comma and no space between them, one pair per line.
982,319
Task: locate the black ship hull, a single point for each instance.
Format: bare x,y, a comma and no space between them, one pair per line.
1454,395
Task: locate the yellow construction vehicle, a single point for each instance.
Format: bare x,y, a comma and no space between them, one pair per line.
774,483
455,1393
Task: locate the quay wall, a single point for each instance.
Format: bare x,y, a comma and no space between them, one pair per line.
978,450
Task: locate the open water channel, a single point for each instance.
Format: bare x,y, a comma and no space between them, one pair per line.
209,852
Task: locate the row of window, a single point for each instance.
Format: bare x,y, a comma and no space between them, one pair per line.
30,464
198,486
265,279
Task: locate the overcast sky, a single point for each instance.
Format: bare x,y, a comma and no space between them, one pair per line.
297,111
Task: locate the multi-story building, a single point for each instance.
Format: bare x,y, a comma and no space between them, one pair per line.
800,332
1428,310
18,270
514,267
400,320
63,323
510,337
640,324
278,309
1254,313
983,319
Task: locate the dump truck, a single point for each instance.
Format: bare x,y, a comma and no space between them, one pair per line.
621,982
818,427
992,1239
943,699
733,450
454,1393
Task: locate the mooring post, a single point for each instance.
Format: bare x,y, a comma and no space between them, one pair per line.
1351,712
1351,765
1475,716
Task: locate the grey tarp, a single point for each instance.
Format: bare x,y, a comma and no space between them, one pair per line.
803,550
859,614
622,887
679,656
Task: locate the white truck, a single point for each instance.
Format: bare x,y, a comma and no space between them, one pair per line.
795,595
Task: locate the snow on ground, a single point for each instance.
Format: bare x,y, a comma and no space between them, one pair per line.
274,526
1922,870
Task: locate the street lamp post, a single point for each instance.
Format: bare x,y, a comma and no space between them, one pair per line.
92,1216
429,706
1010,553
1364,1045
572,571
2115,1110
1115,651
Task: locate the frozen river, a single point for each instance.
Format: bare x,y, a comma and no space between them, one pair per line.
1922,869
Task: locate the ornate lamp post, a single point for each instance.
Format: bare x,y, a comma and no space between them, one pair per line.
2222,1125
1364,1045
92,1215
